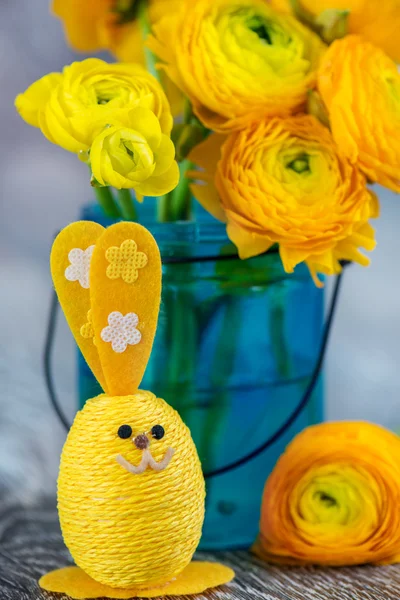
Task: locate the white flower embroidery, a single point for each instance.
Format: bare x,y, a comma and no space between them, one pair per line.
121,331
79,268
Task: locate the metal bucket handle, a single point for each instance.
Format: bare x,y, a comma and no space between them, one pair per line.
49,343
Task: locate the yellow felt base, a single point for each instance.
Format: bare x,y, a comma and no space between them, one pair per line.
195,579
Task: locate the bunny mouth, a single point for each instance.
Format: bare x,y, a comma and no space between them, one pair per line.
147,461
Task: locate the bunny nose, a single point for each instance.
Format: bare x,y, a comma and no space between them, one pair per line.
141,441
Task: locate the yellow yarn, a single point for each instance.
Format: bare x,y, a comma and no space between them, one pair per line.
128,530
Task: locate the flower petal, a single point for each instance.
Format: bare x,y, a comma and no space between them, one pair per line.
32,101
164,156
145,122
158,186
248,243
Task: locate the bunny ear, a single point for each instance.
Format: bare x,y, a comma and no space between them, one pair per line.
125,290
70,269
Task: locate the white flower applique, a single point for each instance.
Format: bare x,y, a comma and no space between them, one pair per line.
79,268
121,331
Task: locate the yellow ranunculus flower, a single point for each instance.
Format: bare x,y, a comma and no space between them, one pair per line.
284,181
237,60
73,107
35,96
377,21
135,154
360,86
333,498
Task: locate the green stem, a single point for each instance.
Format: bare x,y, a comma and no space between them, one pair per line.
106,200
278,337
163,209
223,366
176,374
187,111
127,205
181,195
177,205
145,27
150,59
183,350
303,15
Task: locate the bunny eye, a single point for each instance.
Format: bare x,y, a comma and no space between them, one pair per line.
157,432
125,432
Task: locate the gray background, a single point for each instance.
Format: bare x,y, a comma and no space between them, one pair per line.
42,188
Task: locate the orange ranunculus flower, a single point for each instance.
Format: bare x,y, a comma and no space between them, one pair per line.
285,181
89,25
92,25
333,498
360,86
377,22
237,60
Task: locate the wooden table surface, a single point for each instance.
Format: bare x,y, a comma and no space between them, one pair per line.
31,545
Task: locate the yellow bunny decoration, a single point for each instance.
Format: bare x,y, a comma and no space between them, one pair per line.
130,489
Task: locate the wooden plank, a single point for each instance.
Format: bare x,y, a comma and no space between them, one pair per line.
31,544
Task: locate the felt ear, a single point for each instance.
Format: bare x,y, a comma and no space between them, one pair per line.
125,291
70,269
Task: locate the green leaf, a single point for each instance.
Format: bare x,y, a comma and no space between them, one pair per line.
317,108
331,24
187,137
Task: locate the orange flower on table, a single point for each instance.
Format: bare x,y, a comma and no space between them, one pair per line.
333,498
377,22
360,86
237,60
284,181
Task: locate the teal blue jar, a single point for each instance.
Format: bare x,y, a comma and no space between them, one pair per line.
236,344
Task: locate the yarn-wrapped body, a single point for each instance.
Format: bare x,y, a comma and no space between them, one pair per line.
126,529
